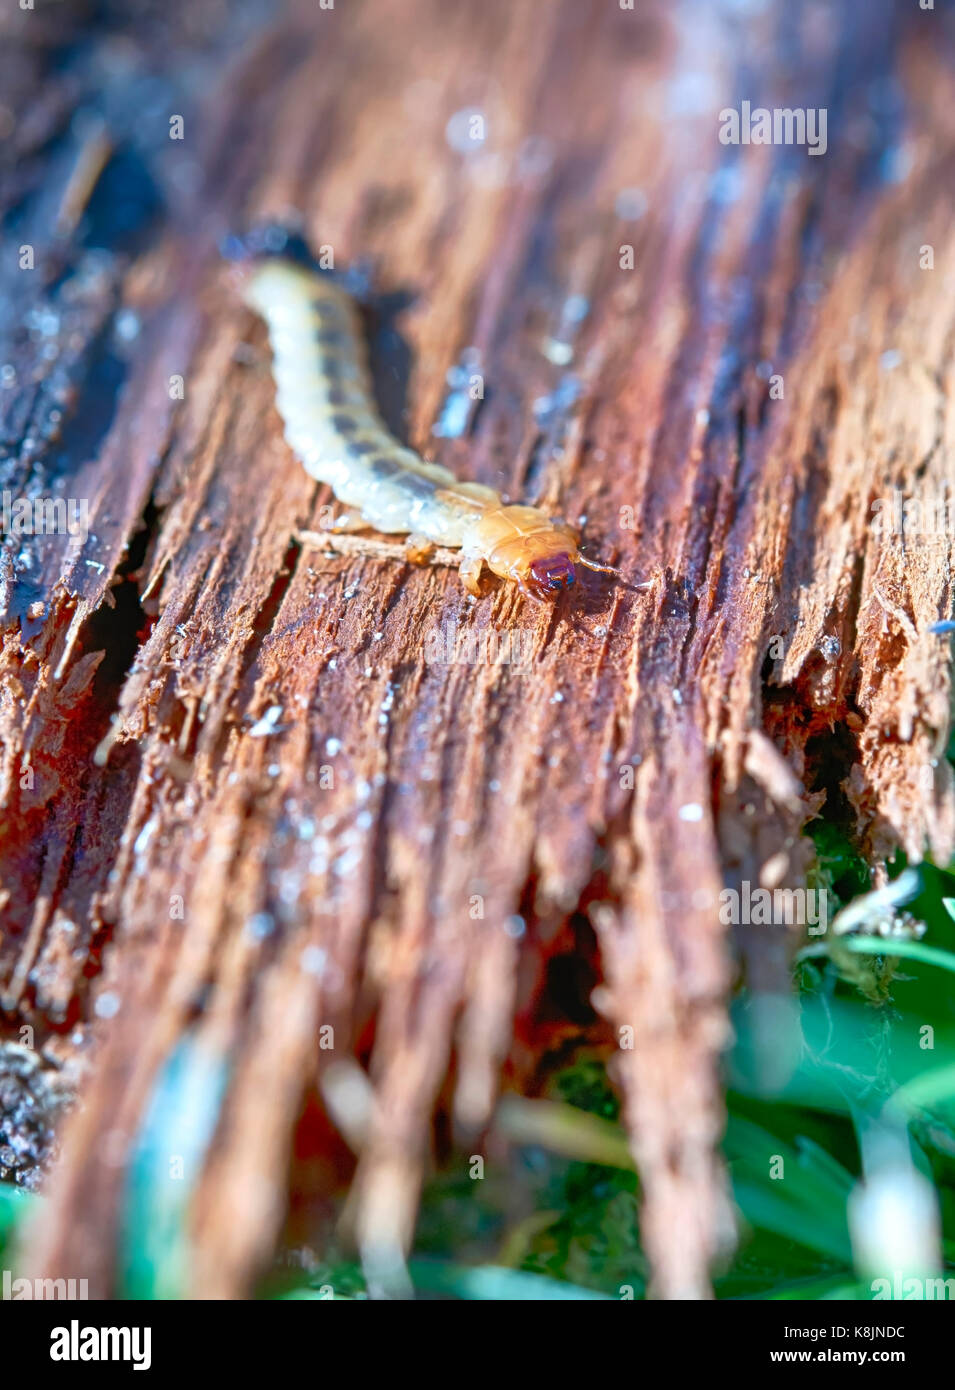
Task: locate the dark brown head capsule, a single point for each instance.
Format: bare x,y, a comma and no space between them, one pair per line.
551,574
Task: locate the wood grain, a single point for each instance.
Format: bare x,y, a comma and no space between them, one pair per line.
299,810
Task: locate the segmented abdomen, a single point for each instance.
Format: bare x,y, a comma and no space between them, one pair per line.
324,395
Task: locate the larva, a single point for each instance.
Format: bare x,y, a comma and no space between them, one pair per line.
324,395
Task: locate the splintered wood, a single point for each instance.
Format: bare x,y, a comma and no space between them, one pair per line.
247,794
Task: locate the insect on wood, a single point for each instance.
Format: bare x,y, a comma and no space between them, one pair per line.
324,395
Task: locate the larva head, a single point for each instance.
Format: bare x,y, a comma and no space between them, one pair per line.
534,552
265,246
264,241
550,574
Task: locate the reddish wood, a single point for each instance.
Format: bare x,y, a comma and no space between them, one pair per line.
193,609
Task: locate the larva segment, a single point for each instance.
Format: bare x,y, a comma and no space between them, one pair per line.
324,395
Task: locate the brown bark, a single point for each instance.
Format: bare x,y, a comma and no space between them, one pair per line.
195,608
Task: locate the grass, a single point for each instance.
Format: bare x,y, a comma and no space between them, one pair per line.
862,1055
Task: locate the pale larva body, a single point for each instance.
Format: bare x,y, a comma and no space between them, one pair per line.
324,395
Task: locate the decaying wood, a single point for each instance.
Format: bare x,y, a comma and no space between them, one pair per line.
239,802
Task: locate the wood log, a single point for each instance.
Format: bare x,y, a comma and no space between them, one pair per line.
253,789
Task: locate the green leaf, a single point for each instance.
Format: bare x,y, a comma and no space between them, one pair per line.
495,1282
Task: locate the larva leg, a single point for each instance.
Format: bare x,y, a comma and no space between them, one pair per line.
350,519
418,548
472,563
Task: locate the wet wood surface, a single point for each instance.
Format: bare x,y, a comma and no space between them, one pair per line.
252,789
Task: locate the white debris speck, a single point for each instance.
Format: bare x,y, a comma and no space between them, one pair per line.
127,325
703,417
46,322
630,204
347,863
726,184
260,925
268,724
558,353
107,1005
515,926
557,698
890,360
692,93
351,591
677,697
333,746
144,836
314,960
691,811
